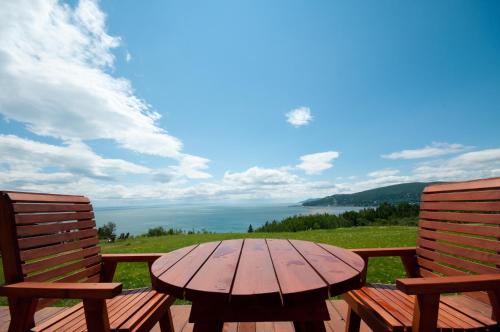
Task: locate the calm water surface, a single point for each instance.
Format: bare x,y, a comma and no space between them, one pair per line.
137,220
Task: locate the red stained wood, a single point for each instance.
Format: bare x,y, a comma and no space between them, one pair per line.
46,198
340,276
458,251
32,230
459,216
297,279
349,257
245,280
215,277
256,271
466,283
50,242
165,262
142,257
481,184
461,206
62,290
60,259
255,280
482,195
31,242
174,280
28,219
461,228
460,239
39,208
65,269
58,248
486,257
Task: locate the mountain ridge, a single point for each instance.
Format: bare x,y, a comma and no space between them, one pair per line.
397,193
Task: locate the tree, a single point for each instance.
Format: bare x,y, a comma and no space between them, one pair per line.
250,229
107,231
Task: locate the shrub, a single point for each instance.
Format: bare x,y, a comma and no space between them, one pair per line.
107,231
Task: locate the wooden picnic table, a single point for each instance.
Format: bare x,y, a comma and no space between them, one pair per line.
258,280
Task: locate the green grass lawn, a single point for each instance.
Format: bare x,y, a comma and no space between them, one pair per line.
384,270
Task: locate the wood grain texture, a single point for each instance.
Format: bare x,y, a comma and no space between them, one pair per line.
174,280
50,251
255,281
336,273
180,314
258,280
214,279
62,290
482,184
46,198
458,250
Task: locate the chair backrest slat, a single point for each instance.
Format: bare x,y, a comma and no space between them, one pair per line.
47,237
459,229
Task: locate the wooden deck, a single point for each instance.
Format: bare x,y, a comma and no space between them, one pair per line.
180,313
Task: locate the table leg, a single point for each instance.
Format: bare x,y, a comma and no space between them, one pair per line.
310,326
208,327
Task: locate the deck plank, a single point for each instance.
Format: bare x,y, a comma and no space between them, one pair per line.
180,315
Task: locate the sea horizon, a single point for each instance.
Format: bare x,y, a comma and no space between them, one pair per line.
218,218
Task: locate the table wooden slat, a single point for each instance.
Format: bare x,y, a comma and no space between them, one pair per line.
165,262
181,273
334,271
255,281
297,279
354,260
215,277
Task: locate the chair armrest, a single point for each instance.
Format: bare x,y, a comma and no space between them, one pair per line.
142,257
385,252
453,284
62,290
407,255
111,260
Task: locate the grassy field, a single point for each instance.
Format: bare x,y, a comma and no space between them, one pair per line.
384,270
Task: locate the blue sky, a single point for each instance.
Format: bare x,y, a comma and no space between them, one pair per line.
180,100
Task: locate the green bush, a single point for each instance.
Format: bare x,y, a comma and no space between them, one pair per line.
403,214
107,231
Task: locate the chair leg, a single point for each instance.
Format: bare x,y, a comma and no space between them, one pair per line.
425,315
96,315
353,321
22,314
166,322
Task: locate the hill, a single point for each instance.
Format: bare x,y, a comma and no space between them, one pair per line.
404,192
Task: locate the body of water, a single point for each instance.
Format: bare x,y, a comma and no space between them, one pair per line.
137,220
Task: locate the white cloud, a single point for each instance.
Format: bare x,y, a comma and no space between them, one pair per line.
192,167
383,172
263,176
434,150
31,161
54,78
299,117
317,162
475,164
128,56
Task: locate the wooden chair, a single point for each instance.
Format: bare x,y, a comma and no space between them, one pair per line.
458,251
50,251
